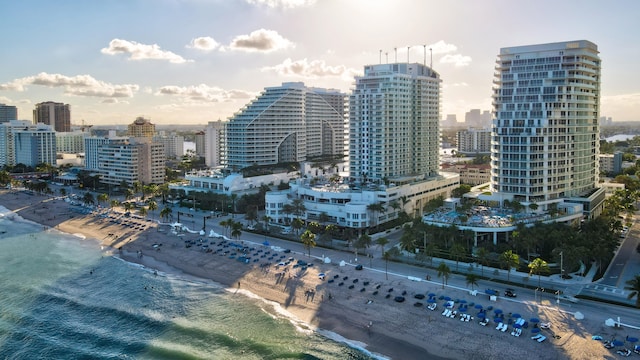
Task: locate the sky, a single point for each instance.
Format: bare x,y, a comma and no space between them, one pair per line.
195,61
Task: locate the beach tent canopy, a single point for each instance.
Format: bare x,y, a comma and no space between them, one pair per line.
327,260
342,263
578,315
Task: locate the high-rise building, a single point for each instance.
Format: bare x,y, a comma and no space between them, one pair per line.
35,145
474,141
288,123
7,140
58,115
173,144
546,103
71,142
475,118
200,140
131,160
8,113
213,143
141,127
394,114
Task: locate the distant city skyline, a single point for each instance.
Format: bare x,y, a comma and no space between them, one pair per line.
195,61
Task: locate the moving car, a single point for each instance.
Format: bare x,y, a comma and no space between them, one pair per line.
510,293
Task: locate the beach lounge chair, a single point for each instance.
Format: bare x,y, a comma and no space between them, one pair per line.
536,337
541,338
504,328
499,327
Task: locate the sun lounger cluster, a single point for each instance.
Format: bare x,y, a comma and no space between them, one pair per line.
539,337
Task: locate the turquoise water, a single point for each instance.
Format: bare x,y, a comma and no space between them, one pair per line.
62,297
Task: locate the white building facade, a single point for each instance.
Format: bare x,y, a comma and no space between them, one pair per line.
288,123
213,143
35,145
394,114
545,134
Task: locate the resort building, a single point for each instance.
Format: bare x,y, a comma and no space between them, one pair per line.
8,113
545,140
392,102
470,174
474,141
213,143
217,182
386,176
58,115
129,160
141,127
200,143
288,123
35,145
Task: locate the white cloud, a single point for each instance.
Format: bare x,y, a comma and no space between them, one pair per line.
441,47
261,40
139,51
203,93
285,4
311,69
80,85
462,84
204,43
457,60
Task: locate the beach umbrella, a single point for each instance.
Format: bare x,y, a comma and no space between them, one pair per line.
462,309
497,311
447,298
516,315
632,339
517,326
478,306
497,319
431,300
617,343
432,294
535,330
480,315
266,243
534,320
463,301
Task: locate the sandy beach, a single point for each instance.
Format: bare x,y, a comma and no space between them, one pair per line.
359,311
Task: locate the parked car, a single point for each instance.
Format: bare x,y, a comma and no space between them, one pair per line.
510,293
358,267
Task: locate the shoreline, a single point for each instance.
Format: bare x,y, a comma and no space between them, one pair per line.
366,320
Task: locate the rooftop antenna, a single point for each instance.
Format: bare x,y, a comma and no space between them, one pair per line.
425,55
387,55
380,56
395,49
431,61
408,48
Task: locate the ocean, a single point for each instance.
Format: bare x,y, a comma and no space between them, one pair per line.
63,297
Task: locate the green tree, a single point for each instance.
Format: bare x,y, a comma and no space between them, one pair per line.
538,266
408,242
483,258
382,242
165,213
386,257
308,240
444,272
296,225
153,206
88,198
633,286
472,279
509,260
430,252
143,212
457,252
236,230
102,198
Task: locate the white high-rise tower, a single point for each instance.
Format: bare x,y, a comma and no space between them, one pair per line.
545,136
394,114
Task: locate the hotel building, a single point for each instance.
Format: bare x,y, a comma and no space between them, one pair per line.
58,115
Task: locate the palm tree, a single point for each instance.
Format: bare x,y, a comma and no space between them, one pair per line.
382,242
153,205
483,257
509,260
408,242
457,251
375,209
634,287
236,229
308,240
386,256
128,206
226,224
472,279
443,272
143,212
165,213
113,203
297,224
88,198
538,266
430,251
102,198
266,220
